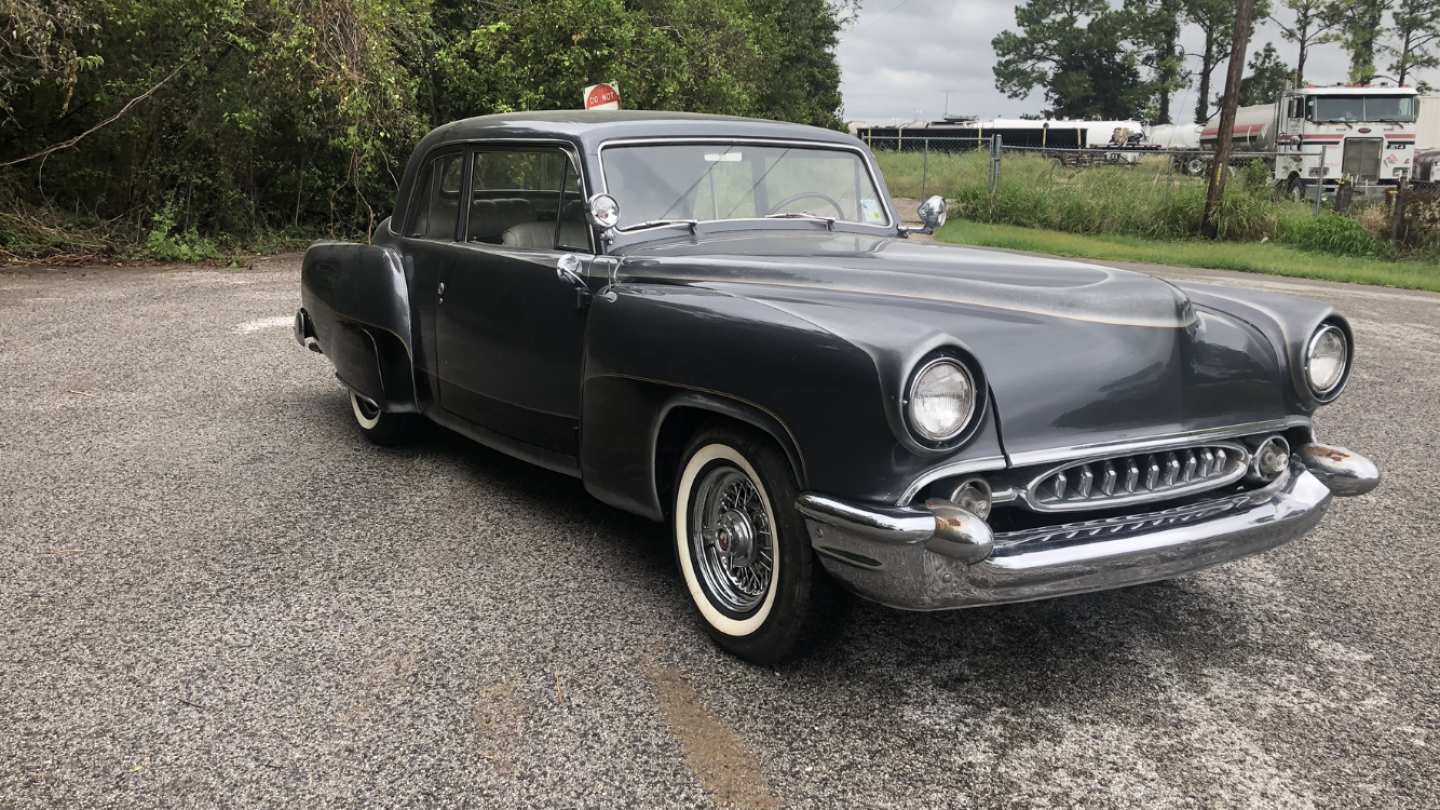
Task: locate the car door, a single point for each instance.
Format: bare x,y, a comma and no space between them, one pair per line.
431,233
509,327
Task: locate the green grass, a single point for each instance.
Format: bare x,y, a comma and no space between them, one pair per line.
1147,200
1266,257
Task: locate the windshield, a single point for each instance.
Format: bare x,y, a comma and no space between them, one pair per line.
1354,109
660,182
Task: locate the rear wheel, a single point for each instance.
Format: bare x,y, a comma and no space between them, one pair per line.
1295,189
742,549
379,427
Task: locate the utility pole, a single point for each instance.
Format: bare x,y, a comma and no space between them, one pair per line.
1220,169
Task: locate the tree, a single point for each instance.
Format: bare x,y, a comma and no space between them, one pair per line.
1076,50
1245,14
1156,24
1417,28
798,46
38,46
1361,24
1216,21
238,116
1269,77
1312,22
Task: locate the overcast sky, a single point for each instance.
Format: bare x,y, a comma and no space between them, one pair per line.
900,56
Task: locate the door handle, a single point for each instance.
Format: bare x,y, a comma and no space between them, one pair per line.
568,269
440,291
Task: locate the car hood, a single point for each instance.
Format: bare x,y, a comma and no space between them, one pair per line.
1074,354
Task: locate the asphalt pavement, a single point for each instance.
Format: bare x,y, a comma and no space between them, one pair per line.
214,593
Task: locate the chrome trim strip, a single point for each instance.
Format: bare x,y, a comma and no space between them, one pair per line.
972,465
865,158
1166,442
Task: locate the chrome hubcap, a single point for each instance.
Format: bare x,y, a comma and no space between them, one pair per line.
731,539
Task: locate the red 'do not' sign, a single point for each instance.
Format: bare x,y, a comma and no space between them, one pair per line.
602,96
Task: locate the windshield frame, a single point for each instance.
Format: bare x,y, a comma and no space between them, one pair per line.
865,157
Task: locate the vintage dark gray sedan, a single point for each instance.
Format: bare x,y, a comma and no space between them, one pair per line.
721,323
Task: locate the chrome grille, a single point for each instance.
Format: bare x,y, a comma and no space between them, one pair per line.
1137,478
1125,525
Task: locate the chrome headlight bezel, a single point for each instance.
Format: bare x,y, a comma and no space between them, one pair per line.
1328,393
955,433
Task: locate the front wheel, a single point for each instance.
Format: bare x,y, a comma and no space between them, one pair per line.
379,427
742,548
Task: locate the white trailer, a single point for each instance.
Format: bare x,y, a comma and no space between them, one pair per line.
1174,136
1427,127
1361,133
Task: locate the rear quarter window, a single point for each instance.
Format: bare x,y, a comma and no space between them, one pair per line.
435,208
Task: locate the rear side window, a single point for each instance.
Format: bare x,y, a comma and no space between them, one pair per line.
435,207
527,198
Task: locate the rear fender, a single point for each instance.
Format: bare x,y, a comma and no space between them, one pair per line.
357,299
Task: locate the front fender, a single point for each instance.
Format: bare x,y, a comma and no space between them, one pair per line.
1287,322
647,342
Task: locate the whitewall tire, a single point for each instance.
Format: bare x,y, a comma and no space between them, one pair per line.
380,427
721,460
743,552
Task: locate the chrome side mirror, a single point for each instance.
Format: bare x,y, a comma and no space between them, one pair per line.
932,214
603,210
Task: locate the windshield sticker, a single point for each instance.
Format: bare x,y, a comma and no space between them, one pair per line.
723,157
873,212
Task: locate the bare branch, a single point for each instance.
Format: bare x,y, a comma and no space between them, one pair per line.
66,144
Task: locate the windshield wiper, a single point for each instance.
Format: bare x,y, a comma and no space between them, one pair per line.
829,221
662,223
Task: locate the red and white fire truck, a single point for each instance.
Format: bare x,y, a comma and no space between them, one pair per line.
1364,134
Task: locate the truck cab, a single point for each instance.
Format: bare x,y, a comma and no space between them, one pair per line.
1362,134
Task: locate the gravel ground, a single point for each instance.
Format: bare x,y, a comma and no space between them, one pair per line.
213,593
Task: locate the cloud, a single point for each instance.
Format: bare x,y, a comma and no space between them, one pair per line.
900,57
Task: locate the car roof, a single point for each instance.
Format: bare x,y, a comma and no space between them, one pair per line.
587,130
590,128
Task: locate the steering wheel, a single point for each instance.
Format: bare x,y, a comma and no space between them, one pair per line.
839,211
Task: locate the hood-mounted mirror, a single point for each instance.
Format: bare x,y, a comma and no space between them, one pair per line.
932,214
603,210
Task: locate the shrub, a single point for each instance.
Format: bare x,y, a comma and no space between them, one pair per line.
1332,233
167,242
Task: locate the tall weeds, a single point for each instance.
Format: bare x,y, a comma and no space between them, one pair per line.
1146,200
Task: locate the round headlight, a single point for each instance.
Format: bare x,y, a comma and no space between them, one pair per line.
1326,358
941,401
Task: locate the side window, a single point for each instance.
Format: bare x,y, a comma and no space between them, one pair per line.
527,198
436,204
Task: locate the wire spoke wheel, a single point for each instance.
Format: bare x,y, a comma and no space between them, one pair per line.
732,541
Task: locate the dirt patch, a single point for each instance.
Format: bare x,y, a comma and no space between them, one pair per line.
716,754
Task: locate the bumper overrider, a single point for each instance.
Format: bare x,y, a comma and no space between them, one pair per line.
941,556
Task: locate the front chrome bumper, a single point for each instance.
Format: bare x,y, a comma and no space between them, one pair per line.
943,557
